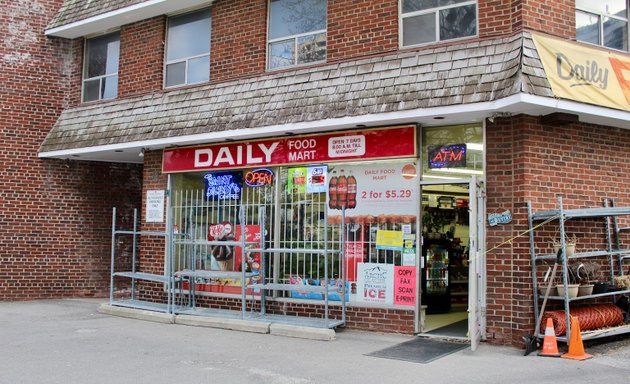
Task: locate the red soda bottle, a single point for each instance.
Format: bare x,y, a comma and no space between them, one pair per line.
332,192
342,191
352,191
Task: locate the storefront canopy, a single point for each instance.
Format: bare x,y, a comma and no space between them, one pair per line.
458,84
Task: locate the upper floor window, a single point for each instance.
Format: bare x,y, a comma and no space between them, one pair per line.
297,32
602,22
188,49
100,67
428,21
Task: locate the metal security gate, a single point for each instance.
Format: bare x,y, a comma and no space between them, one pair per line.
210,230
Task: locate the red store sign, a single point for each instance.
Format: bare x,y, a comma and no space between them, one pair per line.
382,143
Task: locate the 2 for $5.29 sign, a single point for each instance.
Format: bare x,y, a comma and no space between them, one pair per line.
383,189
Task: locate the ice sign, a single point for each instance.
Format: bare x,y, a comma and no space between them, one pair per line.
223,185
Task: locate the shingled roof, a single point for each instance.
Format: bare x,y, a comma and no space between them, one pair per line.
76,10
458,74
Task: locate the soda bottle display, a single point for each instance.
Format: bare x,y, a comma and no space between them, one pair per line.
352,191
342,191
332,192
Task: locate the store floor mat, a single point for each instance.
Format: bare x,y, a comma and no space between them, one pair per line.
457,329
419,350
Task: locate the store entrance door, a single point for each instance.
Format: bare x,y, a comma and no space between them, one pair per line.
451,278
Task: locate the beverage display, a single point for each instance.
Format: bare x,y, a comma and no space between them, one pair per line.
342,191
332,192
352,192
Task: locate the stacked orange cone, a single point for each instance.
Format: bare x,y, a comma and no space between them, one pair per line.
576,348
550,344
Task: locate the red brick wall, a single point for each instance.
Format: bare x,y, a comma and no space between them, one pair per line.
555,17
361,27
527,161
355,28
141,57
55,221
496,17
239,36
151,249
72,62
357,317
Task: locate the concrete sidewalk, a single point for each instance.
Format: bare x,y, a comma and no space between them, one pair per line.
68,341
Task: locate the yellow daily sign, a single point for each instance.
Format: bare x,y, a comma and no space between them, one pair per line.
588,75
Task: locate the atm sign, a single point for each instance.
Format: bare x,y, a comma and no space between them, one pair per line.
447,156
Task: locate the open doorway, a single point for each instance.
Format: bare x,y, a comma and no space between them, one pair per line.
452,259
445,253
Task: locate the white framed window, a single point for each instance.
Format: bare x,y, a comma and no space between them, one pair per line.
100,67
296,33
430,21
188,49
602,22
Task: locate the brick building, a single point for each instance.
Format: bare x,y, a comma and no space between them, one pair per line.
425,105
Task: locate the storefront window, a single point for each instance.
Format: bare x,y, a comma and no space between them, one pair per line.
349,215
453,152
304,211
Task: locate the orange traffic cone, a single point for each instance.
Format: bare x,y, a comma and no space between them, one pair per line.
550,345
576,348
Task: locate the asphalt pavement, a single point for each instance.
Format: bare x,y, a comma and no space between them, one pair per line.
68,341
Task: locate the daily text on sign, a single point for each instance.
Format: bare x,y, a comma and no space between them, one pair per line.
382,143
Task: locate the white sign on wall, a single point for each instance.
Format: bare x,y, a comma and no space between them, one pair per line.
155,206
375,283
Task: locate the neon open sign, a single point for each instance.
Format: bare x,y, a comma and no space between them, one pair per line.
447,156
259,177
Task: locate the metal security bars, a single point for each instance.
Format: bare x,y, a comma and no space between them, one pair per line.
265,241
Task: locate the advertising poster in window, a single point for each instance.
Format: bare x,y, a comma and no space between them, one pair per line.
354,250
373,193
390,240
375,283
316,179
307,179
296,182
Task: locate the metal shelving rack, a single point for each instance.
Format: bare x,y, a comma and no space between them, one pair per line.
561,215
623,254
134,274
